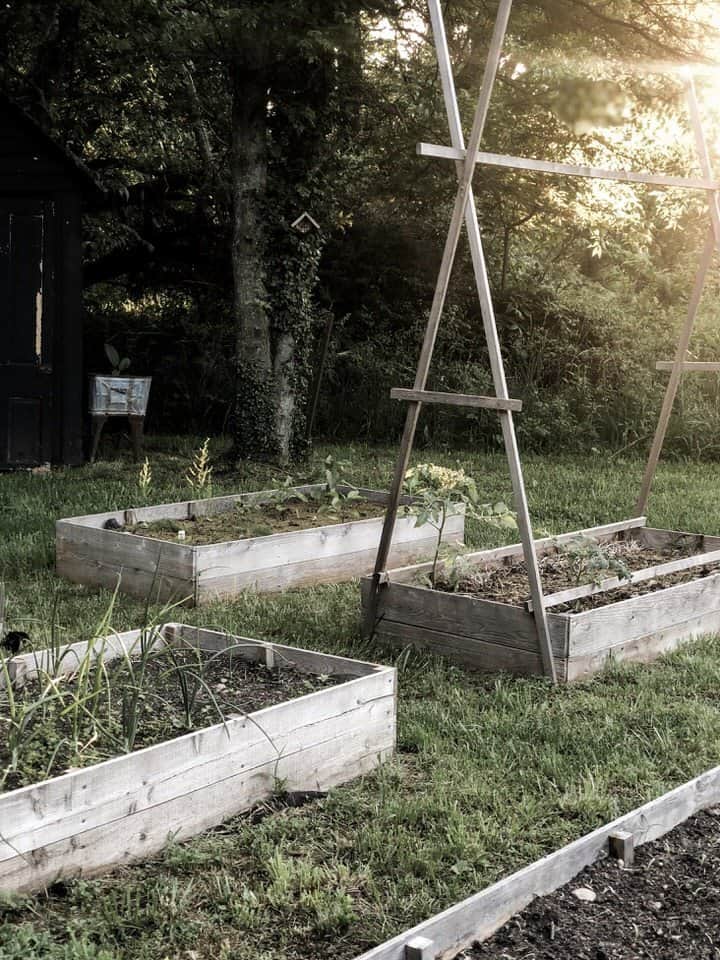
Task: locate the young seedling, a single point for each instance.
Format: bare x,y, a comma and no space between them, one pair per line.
589,562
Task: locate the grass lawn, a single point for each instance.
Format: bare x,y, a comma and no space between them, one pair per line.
490,773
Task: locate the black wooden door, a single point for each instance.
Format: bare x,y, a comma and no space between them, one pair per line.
26,307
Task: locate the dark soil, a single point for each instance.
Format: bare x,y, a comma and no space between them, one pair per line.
258,521
666,907
508,582
229,686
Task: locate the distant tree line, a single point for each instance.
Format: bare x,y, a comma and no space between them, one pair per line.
213,125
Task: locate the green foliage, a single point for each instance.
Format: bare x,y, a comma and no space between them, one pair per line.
438,492
589,562
119,364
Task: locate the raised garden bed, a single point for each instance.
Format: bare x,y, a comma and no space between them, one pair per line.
128,807
668,592
146,562
469,924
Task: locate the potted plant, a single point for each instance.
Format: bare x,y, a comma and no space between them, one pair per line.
117,394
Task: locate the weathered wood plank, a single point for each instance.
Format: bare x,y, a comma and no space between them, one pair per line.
456,399
568,169
464,617
478,917
305,661
170,571
543,546
126,808
658,539
252,746
140,834
596,631
637,576
213,585
332,541
694,366
140,583
127,550
472,653
647,648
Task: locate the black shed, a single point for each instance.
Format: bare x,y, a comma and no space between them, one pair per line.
41,377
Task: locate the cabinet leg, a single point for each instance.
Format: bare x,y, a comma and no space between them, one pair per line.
136,433
98,422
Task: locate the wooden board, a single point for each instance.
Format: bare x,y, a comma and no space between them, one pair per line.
170,571
568,169
478,917
456,399
129,807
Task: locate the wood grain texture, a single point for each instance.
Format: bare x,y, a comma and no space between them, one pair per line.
456,399
636,576
465,617
543,546
481,915
126,808
568,169
597,631
694,366
486,635
170,571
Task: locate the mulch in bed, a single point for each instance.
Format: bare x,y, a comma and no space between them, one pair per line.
666,907
507,582
260,520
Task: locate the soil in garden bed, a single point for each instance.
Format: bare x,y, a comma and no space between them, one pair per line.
507,582
216,688
260,520
666,907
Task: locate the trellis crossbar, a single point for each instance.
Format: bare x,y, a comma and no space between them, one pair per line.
467,158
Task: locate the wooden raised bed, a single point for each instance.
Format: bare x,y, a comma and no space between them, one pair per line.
477,918
143,566
129,807
488,635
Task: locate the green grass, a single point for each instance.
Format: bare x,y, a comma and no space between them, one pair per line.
491,772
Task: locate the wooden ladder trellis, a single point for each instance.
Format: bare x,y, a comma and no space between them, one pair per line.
465,211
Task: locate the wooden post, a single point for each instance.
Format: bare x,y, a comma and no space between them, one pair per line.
712,243
463,194
319,373
493,341
673,382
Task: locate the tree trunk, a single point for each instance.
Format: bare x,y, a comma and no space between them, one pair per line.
255,427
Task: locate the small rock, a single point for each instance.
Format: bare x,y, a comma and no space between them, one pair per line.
655,905
585,894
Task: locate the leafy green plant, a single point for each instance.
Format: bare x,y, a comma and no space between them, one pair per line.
438,493
335,478
589,562
119,364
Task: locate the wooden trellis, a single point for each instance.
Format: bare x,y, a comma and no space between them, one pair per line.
466,159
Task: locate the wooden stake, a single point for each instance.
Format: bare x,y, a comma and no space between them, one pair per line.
712,243
673,382
493,342
570,169
443,282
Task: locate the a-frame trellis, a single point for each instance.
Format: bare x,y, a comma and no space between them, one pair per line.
464,211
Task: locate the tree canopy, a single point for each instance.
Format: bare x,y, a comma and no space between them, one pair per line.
214,125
